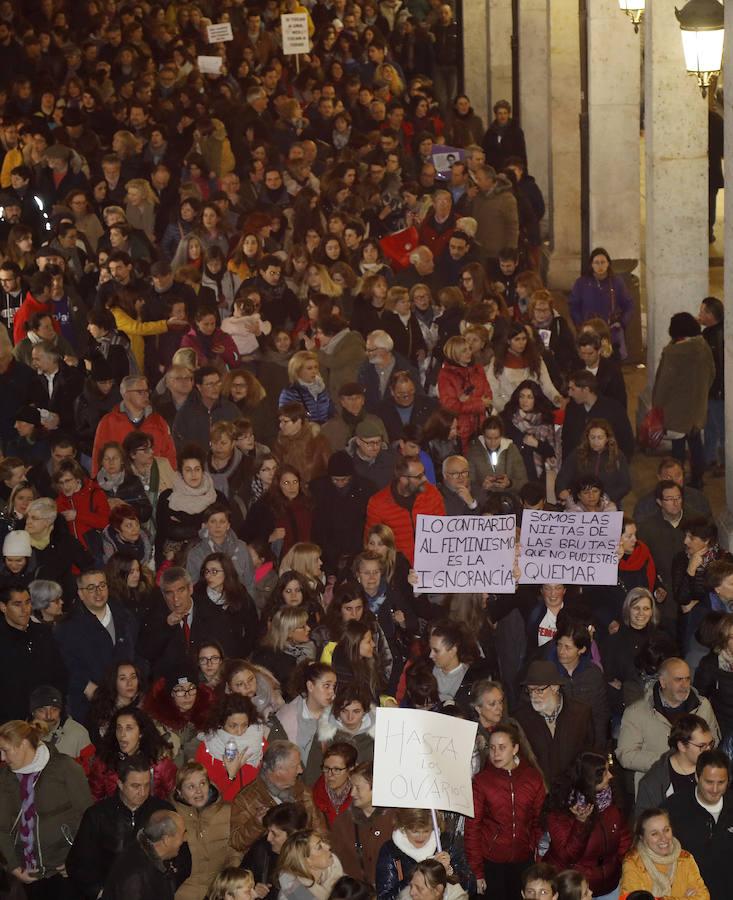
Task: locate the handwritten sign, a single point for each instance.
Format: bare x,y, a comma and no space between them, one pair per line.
465,554
423,760
209,65
569,547
222,31
295,33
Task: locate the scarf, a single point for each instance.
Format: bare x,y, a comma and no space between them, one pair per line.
216,597
725,660
531,423
661,883
603,799
251,740
184,498
27,777
258,488
220,477
110,483
301,651
419,854
139,548
41,541
378,599
206,342
315,388
281,794
337,798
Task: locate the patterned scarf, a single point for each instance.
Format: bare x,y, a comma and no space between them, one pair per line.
531,423
27,777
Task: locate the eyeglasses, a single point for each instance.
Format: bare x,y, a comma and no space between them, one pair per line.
457,474
209,659
213,571
371,442
138,391
333,770
419,477
95,588
702,747
211,383
674,499
184,692
542,892
536,689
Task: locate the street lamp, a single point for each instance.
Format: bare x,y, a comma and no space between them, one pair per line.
634,9
701,23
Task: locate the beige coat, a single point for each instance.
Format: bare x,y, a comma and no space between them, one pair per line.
207,833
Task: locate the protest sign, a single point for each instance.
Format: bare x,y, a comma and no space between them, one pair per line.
423,760
569,547
295,33
219,32
209,65
443,158
465,554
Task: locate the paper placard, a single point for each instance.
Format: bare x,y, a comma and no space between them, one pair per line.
295,33
222,31
569,547
443,158
465,554
423,760
209,65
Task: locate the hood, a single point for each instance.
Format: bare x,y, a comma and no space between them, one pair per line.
505,442
329,726
502,184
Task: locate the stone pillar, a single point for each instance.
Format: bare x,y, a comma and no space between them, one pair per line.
726,523
500,52
614,92
564,133
476,55
534,90
676,125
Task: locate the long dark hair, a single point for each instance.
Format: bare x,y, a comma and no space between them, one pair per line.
579,782
346,592
598,251
104,701
232,588
531,352
152,745
346,651
275,601
541,404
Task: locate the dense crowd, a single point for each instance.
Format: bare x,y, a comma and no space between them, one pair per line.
255,322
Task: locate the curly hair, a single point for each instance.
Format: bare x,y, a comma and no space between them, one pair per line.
584,453
231,705
152,745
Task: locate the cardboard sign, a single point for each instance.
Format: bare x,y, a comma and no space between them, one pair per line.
209,65
220,32
569,547
295,33
465,554
423,760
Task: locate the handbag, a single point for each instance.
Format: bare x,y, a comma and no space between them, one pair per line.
651,431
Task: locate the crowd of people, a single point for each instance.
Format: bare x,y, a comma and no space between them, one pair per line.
255,320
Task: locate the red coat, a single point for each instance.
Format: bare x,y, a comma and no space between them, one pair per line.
596,852
219,776
92,509
116,425
383,508
103,781
452,382
505,827
29,306
323,802
430,238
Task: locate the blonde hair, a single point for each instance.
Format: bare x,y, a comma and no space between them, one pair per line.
190,768
228,881
16,731
223,428
297,361
303,558
185,357
394,295
386,536
295,853
284,623
328,288
452,347
145,188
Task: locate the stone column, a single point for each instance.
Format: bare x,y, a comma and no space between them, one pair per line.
534,90
726,522
614,92
564,133
676,123
500,52
476,55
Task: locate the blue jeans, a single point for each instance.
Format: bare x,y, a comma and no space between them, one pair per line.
715,431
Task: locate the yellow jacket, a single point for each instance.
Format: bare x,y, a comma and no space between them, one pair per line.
12,159
634,877
136,331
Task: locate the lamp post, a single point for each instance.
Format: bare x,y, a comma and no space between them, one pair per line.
701,23
634,9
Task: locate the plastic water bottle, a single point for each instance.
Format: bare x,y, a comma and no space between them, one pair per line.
230,750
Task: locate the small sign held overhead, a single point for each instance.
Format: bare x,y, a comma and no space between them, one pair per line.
295,33
219,32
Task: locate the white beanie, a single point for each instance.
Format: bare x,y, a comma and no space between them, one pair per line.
17,543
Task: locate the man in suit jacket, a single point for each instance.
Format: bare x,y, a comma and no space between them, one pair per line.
56,386
586,404
607,371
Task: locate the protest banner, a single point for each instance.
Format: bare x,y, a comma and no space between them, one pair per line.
569,547
423,760
222,31
465,554
295,33
209,65
443,158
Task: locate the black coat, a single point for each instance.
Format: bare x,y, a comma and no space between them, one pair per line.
89,407
577,417
236,630
106,830
176,525
573,733
717,685
57,561
67,385
422,409
132,491
138,873
339,517
28,659
16,387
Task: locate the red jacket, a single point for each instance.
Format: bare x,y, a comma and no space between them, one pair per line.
323,801
452,382
218,774
116,425
103,781
92,509
383,508
435,241
29,306
596,852
505,826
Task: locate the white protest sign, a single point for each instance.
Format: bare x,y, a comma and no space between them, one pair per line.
295,33
444,157
219,32
209,65
423,760
465,554
569,547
